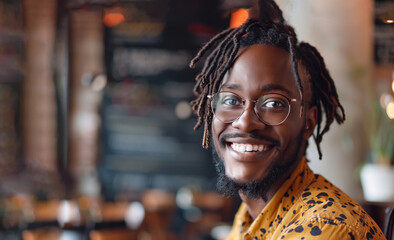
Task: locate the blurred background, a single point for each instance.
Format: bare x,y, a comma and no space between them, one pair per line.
96,130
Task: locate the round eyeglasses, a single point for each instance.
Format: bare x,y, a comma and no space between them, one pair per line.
272,109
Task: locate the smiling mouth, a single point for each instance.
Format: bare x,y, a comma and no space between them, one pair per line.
244,148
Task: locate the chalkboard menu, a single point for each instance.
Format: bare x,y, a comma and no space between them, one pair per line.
148,139
384,32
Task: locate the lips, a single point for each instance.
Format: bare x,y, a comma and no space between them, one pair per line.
248,139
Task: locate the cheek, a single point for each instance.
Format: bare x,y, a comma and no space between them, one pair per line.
217,128
290,130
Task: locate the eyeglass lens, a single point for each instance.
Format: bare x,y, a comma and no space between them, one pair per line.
272,109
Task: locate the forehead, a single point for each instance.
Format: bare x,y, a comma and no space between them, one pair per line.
262,67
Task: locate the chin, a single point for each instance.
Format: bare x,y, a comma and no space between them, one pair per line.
244,177
252,169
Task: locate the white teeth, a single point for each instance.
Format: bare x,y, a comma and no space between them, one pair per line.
238,147
241,148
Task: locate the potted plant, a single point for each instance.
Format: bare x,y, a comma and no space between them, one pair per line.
377,175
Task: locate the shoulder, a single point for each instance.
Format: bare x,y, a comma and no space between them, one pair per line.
326,211
320,227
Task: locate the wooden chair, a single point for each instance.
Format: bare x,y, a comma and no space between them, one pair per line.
45,233
110,223
41,224
215,210
160,210
113,234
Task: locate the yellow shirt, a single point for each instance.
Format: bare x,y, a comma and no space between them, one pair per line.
306,206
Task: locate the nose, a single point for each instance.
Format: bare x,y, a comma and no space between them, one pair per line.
248,121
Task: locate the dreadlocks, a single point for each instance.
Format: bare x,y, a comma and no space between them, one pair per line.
270,29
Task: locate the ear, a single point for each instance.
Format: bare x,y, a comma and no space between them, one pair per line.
311,121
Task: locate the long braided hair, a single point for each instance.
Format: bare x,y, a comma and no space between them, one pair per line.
269,29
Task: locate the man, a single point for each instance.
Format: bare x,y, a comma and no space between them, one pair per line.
260,96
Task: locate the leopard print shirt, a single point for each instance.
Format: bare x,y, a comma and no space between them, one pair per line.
307,206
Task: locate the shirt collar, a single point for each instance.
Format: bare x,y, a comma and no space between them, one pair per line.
273,212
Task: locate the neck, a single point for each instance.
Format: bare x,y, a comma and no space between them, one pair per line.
254,206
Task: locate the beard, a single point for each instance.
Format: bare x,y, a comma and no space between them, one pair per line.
257,188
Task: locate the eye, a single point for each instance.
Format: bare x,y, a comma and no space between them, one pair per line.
271,103
230,100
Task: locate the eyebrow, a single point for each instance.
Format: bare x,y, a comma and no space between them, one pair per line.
265,88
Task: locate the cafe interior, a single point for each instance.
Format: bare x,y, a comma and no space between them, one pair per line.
96,127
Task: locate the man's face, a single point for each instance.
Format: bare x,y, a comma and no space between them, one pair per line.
260,70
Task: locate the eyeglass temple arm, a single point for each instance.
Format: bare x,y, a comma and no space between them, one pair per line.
301,108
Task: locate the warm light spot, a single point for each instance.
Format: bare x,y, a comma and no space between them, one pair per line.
99,82
238,18
390,110
113,16
183,110
392,86
385,99
113,19
389,21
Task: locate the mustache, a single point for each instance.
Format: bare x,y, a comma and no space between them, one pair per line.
226,136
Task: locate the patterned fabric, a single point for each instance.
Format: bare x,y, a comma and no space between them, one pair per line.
307,206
